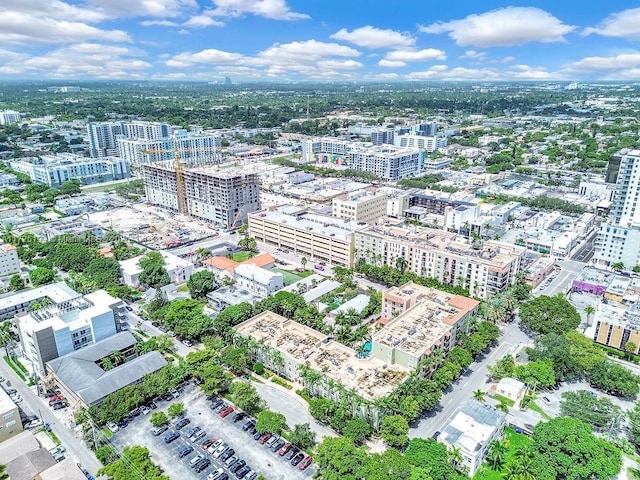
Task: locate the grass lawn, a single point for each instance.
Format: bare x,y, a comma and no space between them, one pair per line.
289,276
536,408
101,187
516,440
107,432
242,256
505,400
182,288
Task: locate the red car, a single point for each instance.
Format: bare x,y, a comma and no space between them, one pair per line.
285,448
226,411
264,438
55,398
207,443
305,463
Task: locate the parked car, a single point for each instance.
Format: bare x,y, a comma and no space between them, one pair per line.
60,405
226,411
284,449
214,446
204,464
231,460
248,425
305,463
145,410
273,439
171,436
196,459
237,466
187,342
183,422
243,471
152,405
277,445
226,454
264,438
199,436
257,436
220,450
123,424
184,451
216,403
159,429
292,453
252,476
207,443
297,459
215,475
435,435
546,400
113,428
238,416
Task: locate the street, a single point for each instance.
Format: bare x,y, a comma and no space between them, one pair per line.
32,404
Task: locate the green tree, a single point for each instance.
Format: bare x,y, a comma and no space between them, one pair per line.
105,454
40,276
16,282
185,318
615,379
479,395
103,272
497,454
599,412
394,430
133,461
634,422
68,254
505,367
589,310
236,358
339,459
390,465
357,430
70,187
539,373
546,314
432,456
175,409
631,348
302,436
246,397
566,448
272,422
159,418
201,283
153,272
617,266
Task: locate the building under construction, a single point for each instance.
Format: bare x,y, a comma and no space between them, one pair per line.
220,194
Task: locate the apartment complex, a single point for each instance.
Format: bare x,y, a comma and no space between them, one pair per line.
370,377
385,161
179,269
258,280
16,303
619,237
317,237
10,422
103,136
221,195
429,143
366,208
9,261
7,117
615,326
193,149
54,170
59,329
485,269
417,320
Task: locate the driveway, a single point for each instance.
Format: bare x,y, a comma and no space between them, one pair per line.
258,457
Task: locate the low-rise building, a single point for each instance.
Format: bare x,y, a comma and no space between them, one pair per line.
592,280
16,303
511,388
70,226
616,326
233,295
368,208
10,423
259,280
539,269
179,269
59,329
9,261
84,377
471,430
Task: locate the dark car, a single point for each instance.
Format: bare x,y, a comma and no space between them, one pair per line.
182,423
170,437
297,459
152,405
228,453
216,403
199,436
292,453
183,452
237,466
277,445
435,435
207,443
201,465
59,405
248,425
257,436
135,412
123,424
238,416
243,471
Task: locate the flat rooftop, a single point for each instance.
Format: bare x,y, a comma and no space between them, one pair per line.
56,292
493,253
472,426
418,328
594,276
370,377
224,170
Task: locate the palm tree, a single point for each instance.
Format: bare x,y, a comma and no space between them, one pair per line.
117,357
401,264
106,364
303,262
589,310
479,395
454,455
497,454
503,406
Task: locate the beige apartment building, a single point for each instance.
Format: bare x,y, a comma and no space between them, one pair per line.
10,423
366,208
316,237
484,269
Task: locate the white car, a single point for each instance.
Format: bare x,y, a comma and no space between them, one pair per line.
195,459
220,449
214,446
216,474
113,428
145,410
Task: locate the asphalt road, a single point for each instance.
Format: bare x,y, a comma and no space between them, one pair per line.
34,405
586,251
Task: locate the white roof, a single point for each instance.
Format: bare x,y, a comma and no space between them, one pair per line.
357,303
260,275
57,292
171,262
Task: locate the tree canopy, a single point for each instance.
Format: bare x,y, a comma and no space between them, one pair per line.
545,314
201,283
599,412
134,462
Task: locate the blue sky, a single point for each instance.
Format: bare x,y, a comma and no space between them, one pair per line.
320,40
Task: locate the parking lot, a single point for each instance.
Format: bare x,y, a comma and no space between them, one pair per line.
261,459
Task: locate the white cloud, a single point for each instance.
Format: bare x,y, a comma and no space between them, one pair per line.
340,64
426,55
391,63
599,64
29,29
274,9
525,72
210,56
305,51
517,72
161,23
202,21
143,8
507,59
473,55
372,37
503,28
625,24
52,8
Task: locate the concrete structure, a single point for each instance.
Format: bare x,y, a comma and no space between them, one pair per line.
539,269
9,261
226,267
77,226
619,237
511,388
298,345
194,149
16,303
417,321
471,430
179,269
223,196
367,208
429,143
226,296
592,280
54,170
10,423
484,269
83,380
615,326
617,289
7,117
258,280
314,236
103,136
59,329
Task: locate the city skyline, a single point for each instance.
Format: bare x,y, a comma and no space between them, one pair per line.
284,40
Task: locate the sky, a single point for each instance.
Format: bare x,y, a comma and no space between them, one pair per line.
320,40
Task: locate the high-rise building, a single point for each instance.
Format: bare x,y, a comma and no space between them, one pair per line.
7,117
619,237
221,195
103,136
428,143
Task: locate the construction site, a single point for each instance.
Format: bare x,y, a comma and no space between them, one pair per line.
368,376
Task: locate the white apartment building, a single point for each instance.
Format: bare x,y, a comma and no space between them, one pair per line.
56,330
16,303
9,261
103,136
360,208
7,117
193,149
54,170
485,270
619,237
179,270
427,143
258,280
